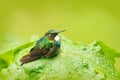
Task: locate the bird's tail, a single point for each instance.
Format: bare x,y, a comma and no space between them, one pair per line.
28,58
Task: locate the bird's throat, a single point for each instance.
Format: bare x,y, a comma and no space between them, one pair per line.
57,38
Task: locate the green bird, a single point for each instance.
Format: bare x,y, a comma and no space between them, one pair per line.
47,46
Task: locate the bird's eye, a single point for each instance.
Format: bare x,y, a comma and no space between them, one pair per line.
49,34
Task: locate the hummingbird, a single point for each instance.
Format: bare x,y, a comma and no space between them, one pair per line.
48,46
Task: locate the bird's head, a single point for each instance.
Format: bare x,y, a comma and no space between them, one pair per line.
51,34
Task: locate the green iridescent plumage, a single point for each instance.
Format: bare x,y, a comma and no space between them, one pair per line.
48,46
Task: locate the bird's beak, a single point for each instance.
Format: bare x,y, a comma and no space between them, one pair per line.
61,31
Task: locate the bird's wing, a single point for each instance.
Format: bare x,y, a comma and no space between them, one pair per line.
33,55
39,52
41,48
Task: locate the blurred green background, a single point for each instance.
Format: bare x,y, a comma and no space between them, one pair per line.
84,20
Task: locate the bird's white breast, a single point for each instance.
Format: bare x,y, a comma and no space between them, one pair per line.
57,38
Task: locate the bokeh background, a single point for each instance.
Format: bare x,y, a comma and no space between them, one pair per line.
84,20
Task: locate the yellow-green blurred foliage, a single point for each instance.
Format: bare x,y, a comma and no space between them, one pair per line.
84,20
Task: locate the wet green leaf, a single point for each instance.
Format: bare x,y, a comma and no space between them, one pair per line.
76,61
